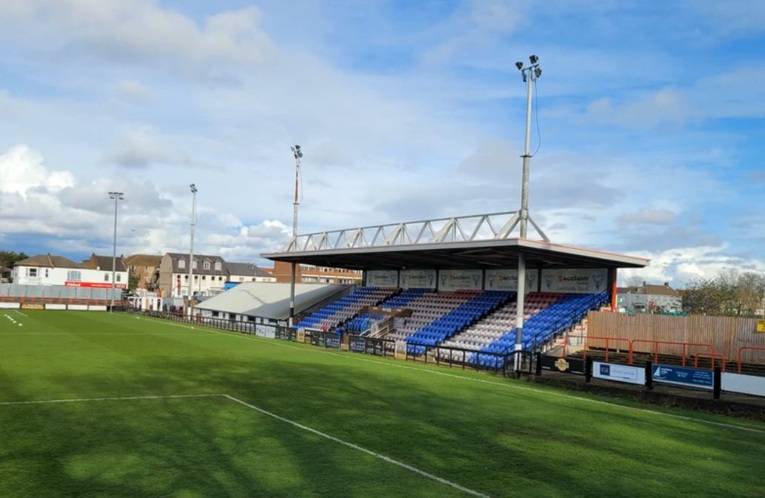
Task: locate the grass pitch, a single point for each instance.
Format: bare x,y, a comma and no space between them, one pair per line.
94,404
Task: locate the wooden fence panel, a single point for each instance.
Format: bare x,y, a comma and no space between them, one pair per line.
725,334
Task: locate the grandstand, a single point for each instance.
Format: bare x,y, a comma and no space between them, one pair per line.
458,281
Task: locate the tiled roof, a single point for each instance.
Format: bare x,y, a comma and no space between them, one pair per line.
147,260
246,270
48,261
104,263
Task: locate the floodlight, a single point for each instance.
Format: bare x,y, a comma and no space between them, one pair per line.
534,59
193,188
538,71
519,65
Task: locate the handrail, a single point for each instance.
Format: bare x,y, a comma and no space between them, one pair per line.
741,349
712,356
656,343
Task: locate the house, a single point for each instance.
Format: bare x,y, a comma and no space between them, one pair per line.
247,272
310,274
650,298
46,269
209,275
146,268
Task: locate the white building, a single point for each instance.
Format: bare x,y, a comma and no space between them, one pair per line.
46,269
247,272
209,275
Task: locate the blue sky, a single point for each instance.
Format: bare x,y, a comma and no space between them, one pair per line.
651,119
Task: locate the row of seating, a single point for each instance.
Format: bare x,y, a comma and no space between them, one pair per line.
346,307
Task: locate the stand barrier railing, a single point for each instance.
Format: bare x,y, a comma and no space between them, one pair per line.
657,343
746,348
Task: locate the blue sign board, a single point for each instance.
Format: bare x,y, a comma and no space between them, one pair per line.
689,377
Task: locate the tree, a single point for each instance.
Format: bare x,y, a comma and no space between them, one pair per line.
730,293
7,260
635,281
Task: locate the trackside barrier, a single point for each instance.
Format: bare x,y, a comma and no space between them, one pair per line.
216,323
650,374
471,359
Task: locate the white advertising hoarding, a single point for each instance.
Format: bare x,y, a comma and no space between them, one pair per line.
382,278
619,373
584,281
420,279
745,384
453,280
507,280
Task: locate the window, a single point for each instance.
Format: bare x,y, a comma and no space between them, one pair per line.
46,273
204,277
220,279
106,277
181,263
217,266
74,275
196,277
206,265
194,264
119,277
185,277
31,272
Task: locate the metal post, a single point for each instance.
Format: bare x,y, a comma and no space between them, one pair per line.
526,158
298,154
117,196
190,301
519,312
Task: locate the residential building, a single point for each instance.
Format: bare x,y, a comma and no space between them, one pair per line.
146,268
247,272
208,272
46,269
310,274
650,298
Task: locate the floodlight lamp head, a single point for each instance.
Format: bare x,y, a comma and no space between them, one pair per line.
533,59
519,65
193,188
537,72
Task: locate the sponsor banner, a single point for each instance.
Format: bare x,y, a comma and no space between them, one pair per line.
419,279
565,365
10,306
55,306
454,280
265,331
332,341
382,278
400,351
375,346
744,384
77,307
507,280
97,307
27,306
357,344
282,333
687,377
94,285
760,326
584,281
619,373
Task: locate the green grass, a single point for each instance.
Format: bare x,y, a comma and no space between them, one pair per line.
495,436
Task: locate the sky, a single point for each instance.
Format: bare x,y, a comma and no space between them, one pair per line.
648,129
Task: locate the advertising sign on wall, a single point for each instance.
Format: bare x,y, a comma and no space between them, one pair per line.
585,281
619,373
453,280
507,280
382,278
420,279
688,377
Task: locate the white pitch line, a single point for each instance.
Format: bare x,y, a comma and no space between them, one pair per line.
20,313
359,448
112,398
263,412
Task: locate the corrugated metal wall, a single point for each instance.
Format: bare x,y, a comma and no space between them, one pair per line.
725,334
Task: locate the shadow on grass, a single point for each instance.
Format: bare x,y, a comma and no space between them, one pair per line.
499,442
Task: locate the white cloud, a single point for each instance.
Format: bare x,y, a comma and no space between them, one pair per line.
22,169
